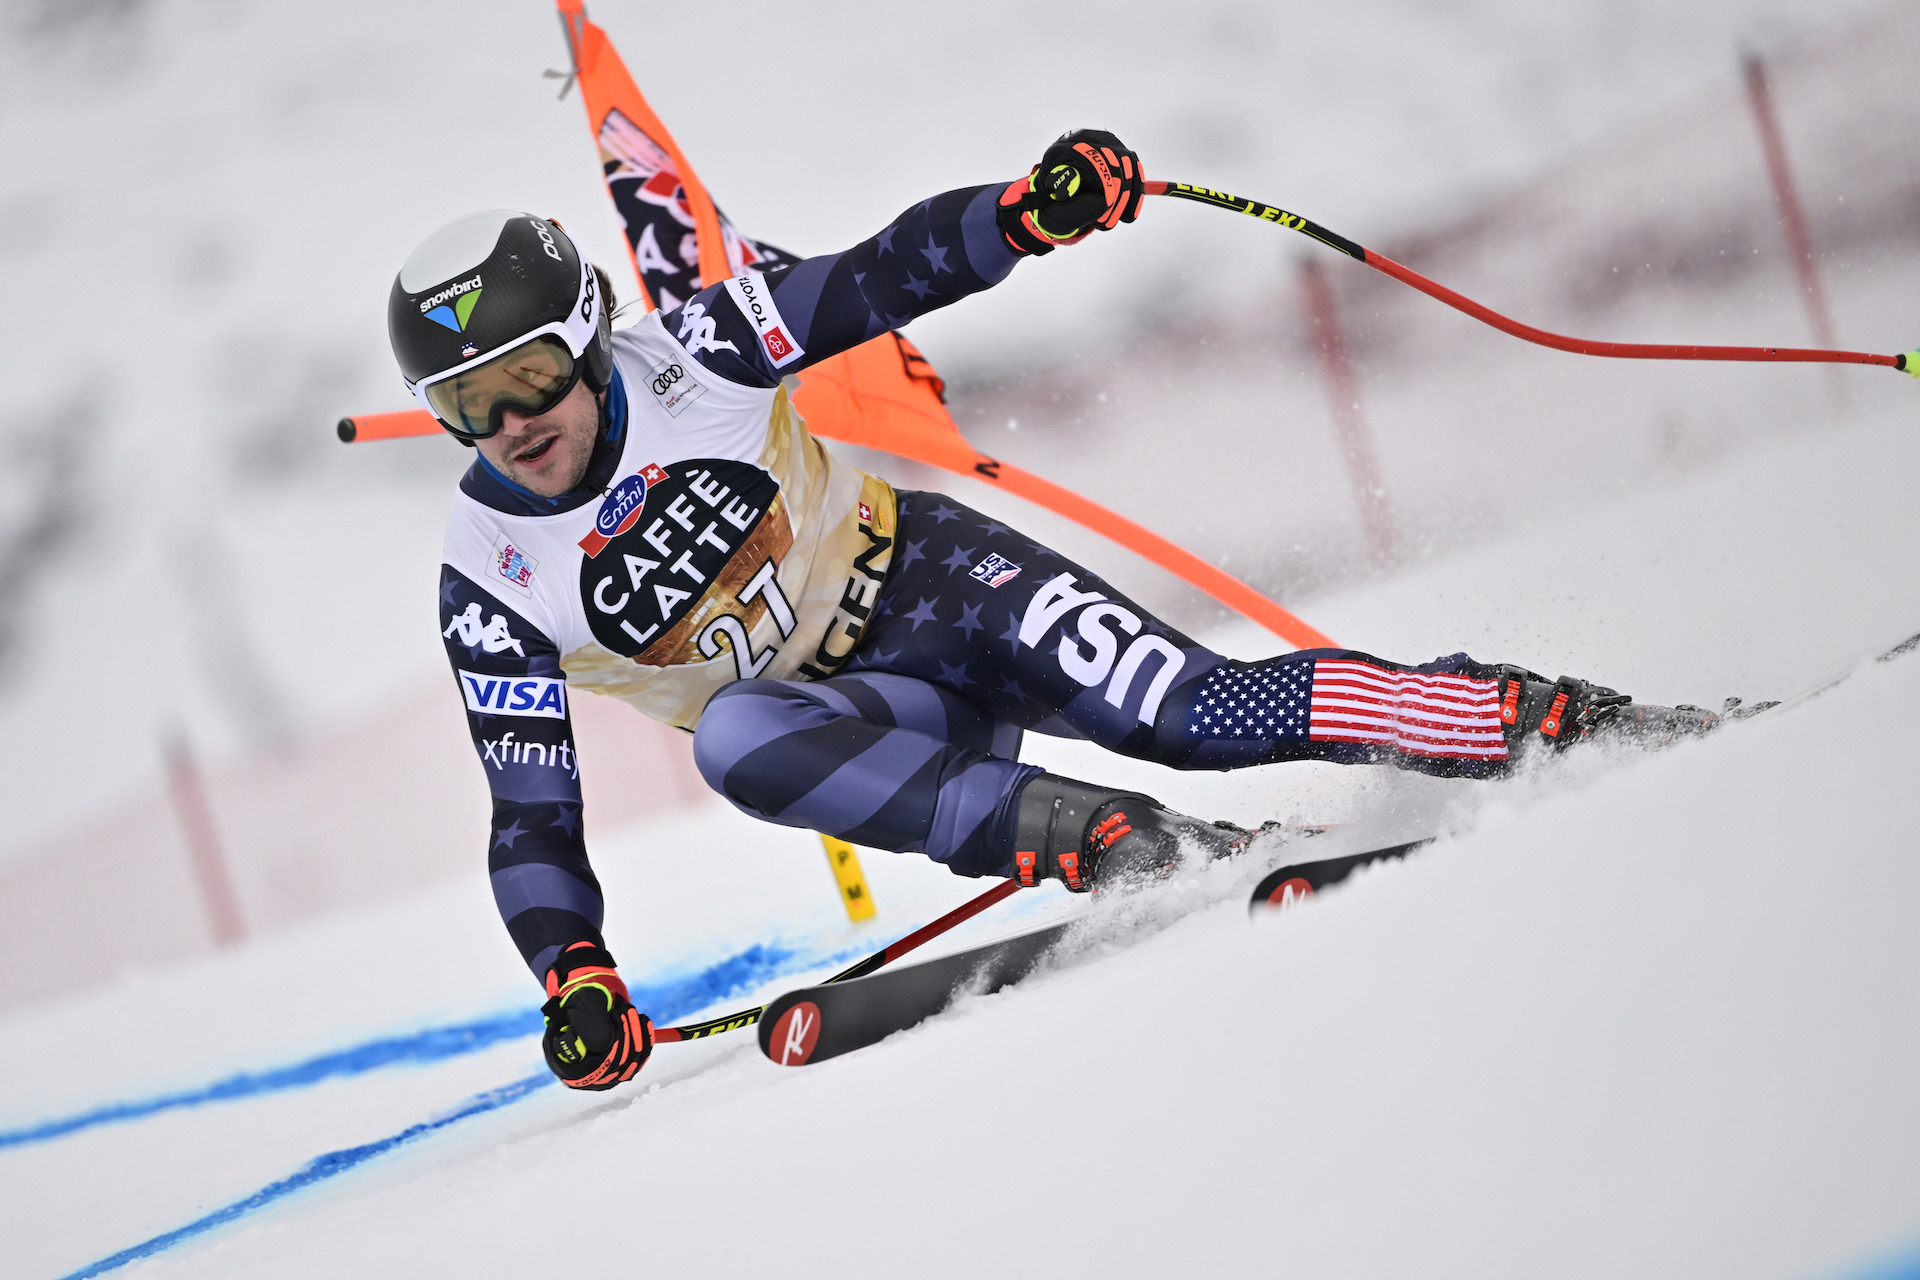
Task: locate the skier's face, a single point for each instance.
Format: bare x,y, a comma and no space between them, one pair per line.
547,454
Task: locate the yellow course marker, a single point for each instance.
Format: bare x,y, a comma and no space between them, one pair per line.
854,894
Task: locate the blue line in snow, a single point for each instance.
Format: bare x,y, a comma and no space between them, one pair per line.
318,1169
1897,1267
666,1001
427,1046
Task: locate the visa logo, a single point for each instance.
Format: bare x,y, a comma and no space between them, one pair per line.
515,695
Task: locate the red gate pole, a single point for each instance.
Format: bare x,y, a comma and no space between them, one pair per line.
203,845
1343,391
1786,199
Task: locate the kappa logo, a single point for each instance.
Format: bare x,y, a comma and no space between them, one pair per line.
620,510
995,571
674,387
540,696
514,566
755,300
697,330
463,294
491,637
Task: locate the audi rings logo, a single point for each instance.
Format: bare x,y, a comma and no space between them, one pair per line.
673,387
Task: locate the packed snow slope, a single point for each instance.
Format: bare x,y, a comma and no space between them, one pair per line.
1635,1016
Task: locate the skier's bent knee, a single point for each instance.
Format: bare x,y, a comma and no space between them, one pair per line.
741,716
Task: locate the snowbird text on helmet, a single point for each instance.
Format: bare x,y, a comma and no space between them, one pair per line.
499,310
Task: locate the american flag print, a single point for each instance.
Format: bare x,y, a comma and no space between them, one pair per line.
1447,717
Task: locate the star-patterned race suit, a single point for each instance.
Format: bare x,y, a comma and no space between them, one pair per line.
851,659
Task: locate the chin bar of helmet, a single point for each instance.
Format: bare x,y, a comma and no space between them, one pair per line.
1908,362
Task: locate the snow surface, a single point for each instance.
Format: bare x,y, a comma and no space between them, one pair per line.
1648,1016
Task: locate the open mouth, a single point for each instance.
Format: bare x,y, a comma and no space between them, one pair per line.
536,452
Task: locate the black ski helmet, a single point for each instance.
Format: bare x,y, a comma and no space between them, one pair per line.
485,283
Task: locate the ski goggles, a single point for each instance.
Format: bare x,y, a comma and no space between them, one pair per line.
530,377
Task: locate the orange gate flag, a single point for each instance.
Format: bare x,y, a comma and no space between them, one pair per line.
883,394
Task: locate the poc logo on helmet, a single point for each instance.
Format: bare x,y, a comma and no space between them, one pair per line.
546,239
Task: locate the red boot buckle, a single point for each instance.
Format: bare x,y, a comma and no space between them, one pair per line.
1510,706
1550,727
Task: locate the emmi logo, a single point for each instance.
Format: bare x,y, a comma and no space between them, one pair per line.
522,696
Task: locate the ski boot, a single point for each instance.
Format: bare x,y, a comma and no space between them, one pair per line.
1089,837
1537,714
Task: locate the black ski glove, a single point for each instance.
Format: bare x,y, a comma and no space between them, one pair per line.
1087,180
595,1038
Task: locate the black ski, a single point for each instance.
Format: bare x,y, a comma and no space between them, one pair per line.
1292,884
817,1023
813,1024
1736,711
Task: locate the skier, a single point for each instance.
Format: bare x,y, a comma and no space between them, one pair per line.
648,518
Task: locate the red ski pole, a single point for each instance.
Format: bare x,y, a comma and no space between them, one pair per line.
885,955
1908,362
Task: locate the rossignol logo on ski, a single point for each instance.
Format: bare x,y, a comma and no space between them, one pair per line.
1290,893
620,510
795,1035
755,300
463,294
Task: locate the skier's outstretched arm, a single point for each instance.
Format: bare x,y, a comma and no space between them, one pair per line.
516,699
755,328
